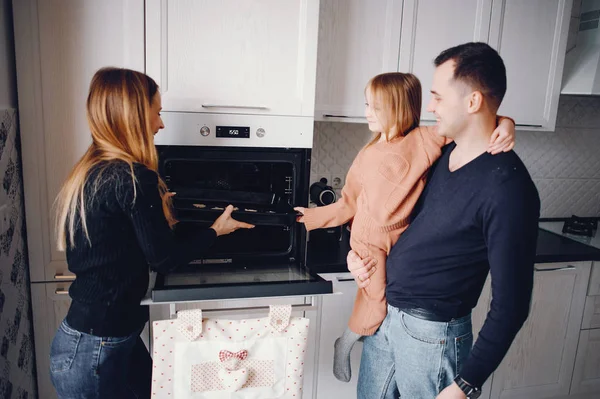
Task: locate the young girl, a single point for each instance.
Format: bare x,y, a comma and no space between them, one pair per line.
381,190
113,221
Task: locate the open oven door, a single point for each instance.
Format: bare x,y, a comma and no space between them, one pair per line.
226,281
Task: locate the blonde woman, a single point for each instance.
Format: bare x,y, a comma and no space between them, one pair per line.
114,222
382,188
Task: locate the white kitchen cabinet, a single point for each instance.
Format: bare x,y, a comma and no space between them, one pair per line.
594,287
540,361
50,303
586,378
230,56
478,317
336,311
431,26
531,37
591,313
59,45
358,39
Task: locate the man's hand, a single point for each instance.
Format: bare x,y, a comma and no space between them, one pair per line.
452,392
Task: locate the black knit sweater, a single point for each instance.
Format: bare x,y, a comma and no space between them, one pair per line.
129,234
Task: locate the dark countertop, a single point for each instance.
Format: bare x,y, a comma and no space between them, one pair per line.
330,257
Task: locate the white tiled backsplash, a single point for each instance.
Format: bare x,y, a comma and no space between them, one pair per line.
565,164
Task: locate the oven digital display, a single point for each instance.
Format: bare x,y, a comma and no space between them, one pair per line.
238,132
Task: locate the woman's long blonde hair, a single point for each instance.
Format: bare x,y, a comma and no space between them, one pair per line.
118,114
400,96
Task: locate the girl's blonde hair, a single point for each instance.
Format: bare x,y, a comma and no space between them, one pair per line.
400,97
118,114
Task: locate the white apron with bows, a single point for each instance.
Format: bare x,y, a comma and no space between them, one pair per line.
229,359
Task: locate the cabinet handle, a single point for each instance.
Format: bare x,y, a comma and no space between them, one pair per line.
235,106
556,269
61,291
526,125
343,280
342,116
63,277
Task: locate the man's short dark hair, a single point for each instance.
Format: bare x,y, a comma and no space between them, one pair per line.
479,66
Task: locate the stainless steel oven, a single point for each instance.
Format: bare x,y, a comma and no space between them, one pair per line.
261,166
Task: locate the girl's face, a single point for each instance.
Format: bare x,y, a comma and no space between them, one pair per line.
375,113
156,122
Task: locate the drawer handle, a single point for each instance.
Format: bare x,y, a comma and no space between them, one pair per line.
61,291
556,269
343,280
342,116
63,277
235,106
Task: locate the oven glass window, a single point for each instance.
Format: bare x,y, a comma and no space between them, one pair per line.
262,193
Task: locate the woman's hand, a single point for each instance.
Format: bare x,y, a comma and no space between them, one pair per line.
503,138
361,269
225,224
300,218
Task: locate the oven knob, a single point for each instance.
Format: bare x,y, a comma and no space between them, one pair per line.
260,132
205,131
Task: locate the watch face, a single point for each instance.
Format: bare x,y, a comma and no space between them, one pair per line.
475,393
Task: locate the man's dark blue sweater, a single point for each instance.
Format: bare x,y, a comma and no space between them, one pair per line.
482,217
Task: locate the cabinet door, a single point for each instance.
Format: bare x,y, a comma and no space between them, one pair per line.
358,39
230,56
594,287
586,378
336,311
50,303
540,361
591,313
431,26
478,317
531,37
59,45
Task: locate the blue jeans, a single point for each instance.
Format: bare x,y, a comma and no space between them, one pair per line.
84,366
412,358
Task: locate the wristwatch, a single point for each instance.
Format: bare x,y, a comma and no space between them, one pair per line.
469,390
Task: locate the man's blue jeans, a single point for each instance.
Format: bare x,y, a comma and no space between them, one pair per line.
413,358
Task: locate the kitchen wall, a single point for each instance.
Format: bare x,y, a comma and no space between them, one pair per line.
17,368
564,164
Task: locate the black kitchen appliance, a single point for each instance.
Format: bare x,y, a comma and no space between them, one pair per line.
580,226
321,194
263,185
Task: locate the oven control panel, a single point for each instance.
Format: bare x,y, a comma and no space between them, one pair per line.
235,130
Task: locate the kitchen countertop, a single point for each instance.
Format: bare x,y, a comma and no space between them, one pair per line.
330,257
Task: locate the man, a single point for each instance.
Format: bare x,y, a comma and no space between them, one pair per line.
478,213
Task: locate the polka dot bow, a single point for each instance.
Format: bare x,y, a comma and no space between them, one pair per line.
226,355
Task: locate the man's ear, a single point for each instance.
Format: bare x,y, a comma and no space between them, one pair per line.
475,102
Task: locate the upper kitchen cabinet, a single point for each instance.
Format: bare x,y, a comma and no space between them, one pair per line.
358,39
431,26
229,56
531,37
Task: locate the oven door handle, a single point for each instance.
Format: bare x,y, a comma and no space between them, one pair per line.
261,107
